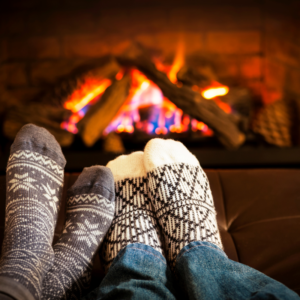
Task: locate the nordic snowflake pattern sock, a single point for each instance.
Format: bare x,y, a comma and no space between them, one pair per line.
90,210
34,179
134,220
181,196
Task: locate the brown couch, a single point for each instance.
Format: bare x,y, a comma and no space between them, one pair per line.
258,216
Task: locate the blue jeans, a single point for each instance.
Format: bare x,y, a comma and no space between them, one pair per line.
203,271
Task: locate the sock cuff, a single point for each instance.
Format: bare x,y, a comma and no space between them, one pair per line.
159,152
128,166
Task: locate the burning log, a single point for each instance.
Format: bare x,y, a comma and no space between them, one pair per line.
189,101
190,76
61,93
239,99
46,116
101,114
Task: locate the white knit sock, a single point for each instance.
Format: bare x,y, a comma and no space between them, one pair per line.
134,220
180,195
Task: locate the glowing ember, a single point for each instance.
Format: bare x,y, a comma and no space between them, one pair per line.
215,90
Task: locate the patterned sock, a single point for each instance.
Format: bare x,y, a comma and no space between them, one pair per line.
181,196
134,220
34,179
90,210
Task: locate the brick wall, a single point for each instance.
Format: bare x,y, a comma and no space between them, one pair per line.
254,43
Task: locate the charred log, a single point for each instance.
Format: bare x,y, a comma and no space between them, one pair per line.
61,92
99,116
185,98
47,116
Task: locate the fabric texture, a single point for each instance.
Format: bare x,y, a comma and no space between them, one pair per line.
181,196
138,272
34,186
202,272
90,210
6,297
134,220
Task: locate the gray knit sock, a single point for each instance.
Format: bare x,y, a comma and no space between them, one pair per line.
34,179
90,210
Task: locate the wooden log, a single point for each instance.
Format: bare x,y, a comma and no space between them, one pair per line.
191,76
98,117
240,99
191,102
113,143
47,116
61,92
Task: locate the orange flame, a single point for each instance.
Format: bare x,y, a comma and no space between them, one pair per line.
89,91
177,63
215,90
164,116
146,108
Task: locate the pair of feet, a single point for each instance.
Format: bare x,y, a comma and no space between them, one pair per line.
30,268
160,198
163,200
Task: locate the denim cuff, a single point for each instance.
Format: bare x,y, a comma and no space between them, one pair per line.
195,245
148,250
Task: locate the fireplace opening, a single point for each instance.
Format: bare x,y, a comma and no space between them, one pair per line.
223,78
145,109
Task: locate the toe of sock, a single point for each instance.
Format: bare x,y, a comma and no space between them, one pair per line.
37,139
128,166
159,152
94,180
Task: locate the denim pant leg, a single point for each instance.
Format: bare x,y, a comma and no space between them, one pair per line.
138,272
204,272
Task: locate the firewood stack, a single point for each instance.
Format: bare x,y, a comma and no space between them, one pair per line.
49,111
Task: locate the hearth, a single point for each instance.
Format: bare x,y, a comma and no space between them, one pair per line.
220,77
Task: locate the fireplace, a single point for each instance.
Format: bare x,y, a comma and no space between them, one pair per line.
107,77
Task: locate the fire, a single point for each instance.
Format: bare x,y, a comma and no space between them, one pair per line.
90,90
215,90
78,102
162,116
177,63
146,109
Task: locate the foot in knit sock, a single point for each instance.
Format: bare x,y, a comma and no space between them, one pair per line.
34,182
134,220
90,210
181,196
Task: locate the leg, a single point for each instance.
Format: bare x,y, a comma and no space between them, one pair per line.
34,185
205,272
183,202
138,272
90,210
132,249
